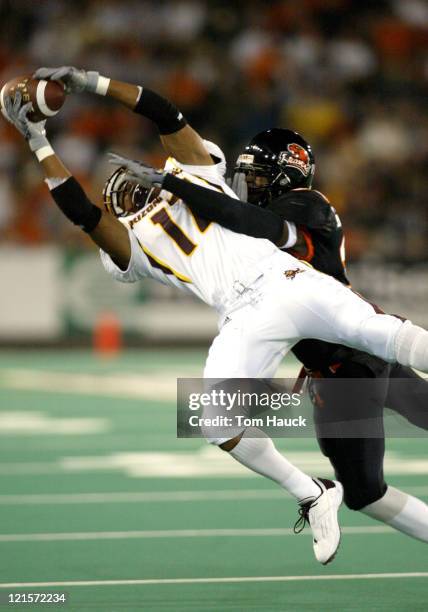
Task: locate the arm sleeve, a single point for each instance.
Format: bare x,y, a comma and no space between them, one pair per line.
233,214
303,207
73,201
137,267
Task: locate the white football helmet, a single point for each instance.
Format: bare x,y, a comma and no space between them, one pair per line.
117,187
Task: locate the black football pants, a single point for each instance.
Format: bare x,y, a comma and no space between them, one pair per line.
349,421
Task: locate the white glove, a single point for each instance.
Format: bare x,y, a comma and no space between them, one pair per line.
138,172
74,80
34,133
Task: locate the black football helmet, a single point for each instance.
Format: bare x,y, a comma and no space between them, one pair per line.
283,157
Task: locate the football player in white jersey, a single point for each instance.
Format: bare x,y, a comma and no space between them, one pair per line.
263,309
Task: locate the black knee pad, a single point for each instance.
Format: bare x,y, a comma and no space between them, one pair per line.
356,500
358,465
362,484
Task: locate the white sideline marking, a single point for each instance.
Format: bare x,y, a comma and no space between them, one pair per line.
145,497
153,386
237,579
127,497
21,422
205,462
161,386
176,533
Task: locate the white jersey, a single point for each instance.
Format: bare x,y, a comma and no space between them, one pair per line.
175,247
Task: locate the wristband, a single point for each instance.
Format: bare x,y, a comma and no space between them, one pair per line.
292,236
102,86
95,83
44,152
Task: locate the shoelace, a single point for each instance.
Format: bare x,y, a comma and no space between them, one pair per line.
303,511
303,519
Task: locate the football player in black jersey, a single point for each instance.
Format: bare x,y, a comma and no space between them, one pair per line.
273,178
367,383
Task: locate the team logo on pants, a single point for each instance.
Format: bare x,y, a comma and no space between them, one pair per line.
290,274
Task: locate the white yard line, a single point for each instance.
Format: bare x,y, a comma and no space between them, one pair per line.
205,462
143,497
237,579
158,497
176,533
159,385
153,386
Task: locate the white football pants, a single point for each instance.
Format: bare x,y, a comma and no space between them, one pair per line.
281,308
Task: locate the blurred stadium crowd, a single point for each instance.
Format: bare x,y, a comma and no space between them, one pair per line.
350,75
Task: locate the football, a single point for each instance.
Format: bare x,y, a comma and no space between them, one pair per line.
47,96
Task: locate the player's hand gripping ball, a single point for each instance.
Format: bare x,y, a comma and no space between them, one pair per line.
47,97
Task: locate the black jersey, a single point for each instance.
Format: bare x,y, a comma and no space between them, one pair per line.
321,228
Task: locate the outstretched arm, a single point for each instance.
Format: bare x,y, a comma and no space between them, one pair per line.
179,139
104,229
231,213
212,205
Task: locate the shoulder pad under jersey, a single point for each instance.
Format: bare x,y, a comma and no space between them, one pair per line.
304,207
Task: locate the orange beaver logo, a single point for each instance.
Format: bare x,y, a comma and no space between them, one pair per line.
298,152
297,157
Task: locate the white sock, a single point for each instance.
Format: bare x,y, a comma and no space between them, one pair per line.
261,456
401,511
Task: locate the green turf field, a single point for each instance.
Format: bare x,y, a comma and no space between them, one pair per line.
99,499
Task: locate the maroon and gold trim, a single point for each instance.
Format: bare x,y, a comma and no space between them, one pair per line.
163,218
162,265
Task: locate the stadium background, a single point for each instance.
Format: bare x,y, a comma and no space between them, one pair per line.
94,485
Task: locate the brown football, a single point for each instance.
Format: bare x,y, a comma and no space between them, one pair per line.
47,96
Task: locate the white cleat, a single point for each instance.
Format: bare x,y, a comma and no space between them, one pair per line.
321,514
